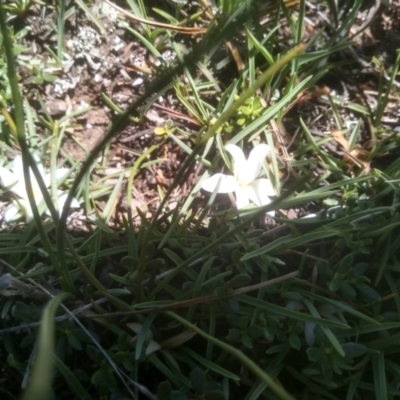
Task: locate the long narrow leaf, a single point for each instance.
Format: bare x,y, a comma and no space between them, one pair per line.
39,385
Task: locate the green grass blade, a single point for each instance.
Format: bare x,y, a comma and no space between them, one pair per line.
39,385
289,242
212,366
285,312
378,366
73,383
91,16
60,28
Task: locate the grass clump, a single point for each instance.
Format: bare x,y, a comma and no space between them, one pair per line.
183,295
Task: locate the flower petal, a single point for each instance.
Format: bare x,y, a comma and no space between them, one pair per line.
25,207
60,173
18,166
62,197
20,188
7,178
11,211
227,183
253,165
259,192
265,187
39,165
47,180
239,161
12,181
242,198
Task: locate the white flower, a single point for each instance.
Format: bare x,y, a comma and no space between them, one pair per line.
14,182
244,181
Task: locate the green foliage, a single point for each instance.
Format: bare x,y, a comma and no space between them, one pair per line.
18,8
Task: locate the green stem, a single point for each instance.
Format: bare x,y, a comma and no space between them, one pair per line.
27,158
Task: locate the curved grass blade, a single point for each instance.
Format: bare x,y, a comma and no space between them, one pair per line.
340,305
286,312
212,366
72,380
290,241
39,385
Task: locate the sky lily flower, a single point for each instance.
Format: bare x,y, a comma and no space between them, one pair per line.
13,181
244,182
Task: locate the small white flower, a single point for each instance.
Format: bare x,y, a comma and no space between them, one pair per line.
14,182
244,181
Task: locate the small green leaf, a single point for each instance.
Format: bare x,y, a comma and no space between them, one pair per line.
246,340
74,342
164,391
129,261
352,350
347,290
98,377
315,354
50,78
255,331
246,110
334,285
360,269
22,311
368,292
330,202
198,380
295,341
234,334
